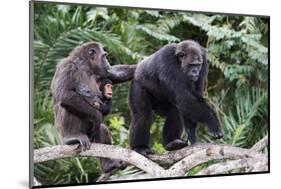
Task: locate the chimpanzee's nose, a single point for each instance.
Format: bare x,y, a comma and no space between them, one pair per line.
194,72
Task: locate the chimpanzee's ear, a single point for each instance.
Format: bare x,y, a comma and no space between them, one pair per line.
91,50
204,55
91,53
179,53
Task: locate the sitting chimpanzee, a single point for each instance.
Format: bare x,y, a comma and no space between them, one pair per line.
170,83
77,120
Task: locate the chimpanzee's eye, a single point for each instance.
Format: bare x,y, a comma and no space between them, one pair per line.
182,55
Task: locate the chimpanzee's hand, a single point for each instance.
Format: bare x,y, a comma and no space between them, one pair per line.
95,102
82,140
217,134
96,105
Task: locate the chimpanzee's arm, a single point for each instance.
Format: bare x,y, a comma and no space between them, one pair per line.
121,73
88,95
105,107
73,102
195,108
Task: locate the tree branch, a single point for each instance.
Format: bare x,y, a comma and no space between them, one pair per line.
261,144
252,164
212,152
99,150
177,163
175,156
227,166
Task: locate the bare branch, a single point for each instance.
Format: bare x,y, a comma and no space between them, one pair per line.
224,167
99,150
252,164
261,144
179,162
213,152
175,156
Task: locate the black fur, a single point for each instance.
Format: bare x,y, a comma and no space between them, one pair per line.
106,104
163,84
75,91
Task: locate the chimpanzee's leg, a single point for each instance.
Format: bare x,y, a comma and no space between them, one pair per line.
107,165
141,112
172,131
190,127
71,129
101,134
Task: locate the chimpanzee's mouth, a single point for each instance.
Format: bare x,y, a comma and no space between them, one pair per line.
193,78
109,95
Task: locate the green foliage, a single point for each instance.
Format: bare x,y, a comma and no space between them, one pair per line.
237,49
118,130
78,170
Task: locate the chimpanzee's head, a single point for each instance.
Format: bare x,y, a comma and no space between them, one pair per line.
189,54
96,57
106,88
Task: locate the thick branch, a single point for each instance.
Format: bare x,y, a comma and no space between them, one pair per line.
224,167
99,150
180,161
212,152
261,144
175,156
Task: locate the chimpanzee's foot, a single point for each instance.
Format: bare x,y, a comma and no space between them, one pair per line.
176,144
109,165
143,150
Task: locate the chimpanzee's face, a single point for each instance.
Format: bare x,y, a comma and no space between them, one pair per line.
98,58
191,61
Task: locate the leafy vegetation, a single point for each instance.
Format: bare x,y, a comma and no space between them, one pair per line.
237,83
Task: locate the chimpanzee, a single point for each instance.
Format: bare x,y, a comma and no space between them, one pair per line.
77,120
170,83
102,103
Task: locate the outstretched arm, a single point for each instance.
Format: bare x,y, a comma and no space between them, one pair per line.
121,73
195,108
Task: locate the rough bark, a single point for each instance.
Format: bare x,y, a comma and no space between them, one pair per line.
172,164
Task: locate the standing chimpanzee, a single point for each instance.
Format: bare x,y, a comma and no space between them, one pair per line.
77,119
170,83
